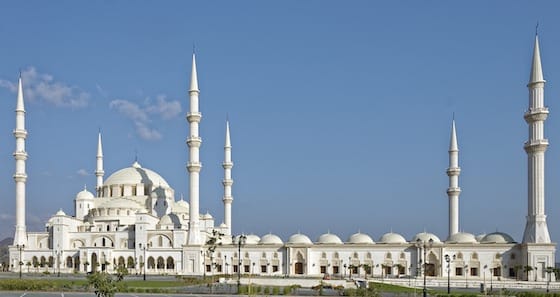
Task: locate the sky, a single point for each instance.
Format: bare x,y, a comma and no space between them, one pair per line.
340,111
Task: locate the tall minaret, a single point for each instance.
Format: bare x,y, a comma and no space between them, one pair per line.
99,168
536,230
20,177
228,181
194,165
454,190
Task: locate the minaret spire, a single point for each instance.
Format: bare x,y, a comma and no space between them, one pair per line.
194,166
20,176
536,230
99,167
454,190
228,181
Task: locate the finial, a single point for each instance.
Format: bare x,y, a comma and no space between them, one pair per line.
85,187
227,116
135,155
20,72
193,48
453,116
537,29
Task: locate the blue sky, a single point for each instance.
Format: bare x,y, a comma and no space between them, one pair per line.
340,111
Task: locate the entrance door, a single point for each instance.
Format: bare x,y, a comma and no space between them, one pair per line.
299,268
430,269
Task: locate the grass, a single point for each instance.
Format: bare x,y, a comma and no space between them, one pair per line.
383,287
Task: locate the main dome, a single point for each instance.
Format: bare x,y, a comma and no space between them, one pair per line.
134,175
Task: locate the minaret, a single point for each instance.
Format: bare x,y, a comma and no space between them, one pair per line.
228,181
99,169
194,165
454,190
20,177
536,230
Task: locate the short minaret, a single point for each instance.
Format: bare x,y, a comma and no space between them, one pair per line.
194,141
99,168
454,190
20,177
536,230
228,181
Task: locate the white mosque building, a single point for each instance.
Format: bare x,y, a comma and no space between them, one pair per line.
134,220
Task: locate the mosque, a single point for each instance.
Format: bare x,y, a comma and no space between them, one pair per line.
133,220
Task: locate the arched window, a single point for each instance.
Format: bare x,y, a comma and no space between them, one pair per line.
474,256
355,255
388,256
323,255
275,255
263,255
512,256
170,263
160,263
403,256
498,255
459,256
368,255
160,241
151,263
335,255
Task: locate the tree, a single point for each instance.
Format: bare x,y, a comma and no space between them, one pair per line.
517,268
28,264
121,272
527,269
103,284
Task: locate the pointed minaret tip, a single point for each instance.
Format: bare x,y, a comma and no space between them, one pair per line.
99,145
194,78
453,146
228,139
20,106
536,67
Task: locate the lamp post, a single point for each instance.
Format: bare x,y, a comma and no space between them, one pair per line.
448,260
145,263
240,241
484,277
58,262
225,266
20,248
466,274
424,246
491,277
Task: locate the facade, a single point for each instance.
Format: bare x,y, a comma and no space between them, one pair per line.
134,220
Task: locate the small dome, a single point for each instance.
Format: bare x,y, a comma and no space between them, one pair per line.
207,216
392,238
360,238
329,238
497,237
223,226
182,203
84,195
136,175
299,239
166,220
425,237
270,239
60,212
461,237
252,239
479,237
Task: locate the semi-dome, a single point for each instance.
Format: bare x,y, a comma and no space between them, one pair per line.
299,238
461,237
392,238
425,237
360,238
166,220
270,239
134,175
329,238
84,195
497,237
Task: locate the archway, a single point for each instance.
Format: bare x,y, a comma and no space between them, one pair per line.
94,262
170,263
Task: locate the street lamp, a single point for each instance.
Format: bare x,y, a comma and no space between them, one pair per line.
448,259
424,246
241,239
484,277
225,266
491,277
466,274
58,262
20,248
145,263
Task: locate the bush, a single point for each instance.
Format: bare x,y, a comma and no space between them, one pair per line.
275,291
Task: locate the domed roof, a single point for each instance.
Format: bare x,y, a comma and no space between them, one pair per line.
60,212
425,237
84,195
360,238
120,203
461,237
299,239
497,237
252,239
223,225
207,216
166,220
182,203
479,237
392,238
329,239
136,175
270,239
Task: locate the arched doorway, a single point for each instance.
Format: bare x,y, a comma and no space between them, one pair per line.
298,268
94,262
160,263
170,263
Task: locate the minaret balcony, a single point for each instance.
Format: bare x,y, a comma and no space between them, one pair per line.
20,155
194,141
227,182
20,133
536,114
452,171
194,166
227,165
538,145
453,191
194,117
20,177
228,199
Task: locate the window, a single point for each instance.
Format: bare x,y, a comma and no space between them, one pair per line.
458,271
208,267
323,269
235,268
512,256
512,272
246,268
335,270
474,271
388,256
274,268
263,268
474,256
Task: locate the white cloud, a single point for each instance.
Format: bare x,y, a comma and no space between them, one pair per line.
142,115
82,172
6,217
42,87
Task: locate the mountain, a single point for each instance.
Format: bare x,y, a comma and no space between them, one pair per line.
4,258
